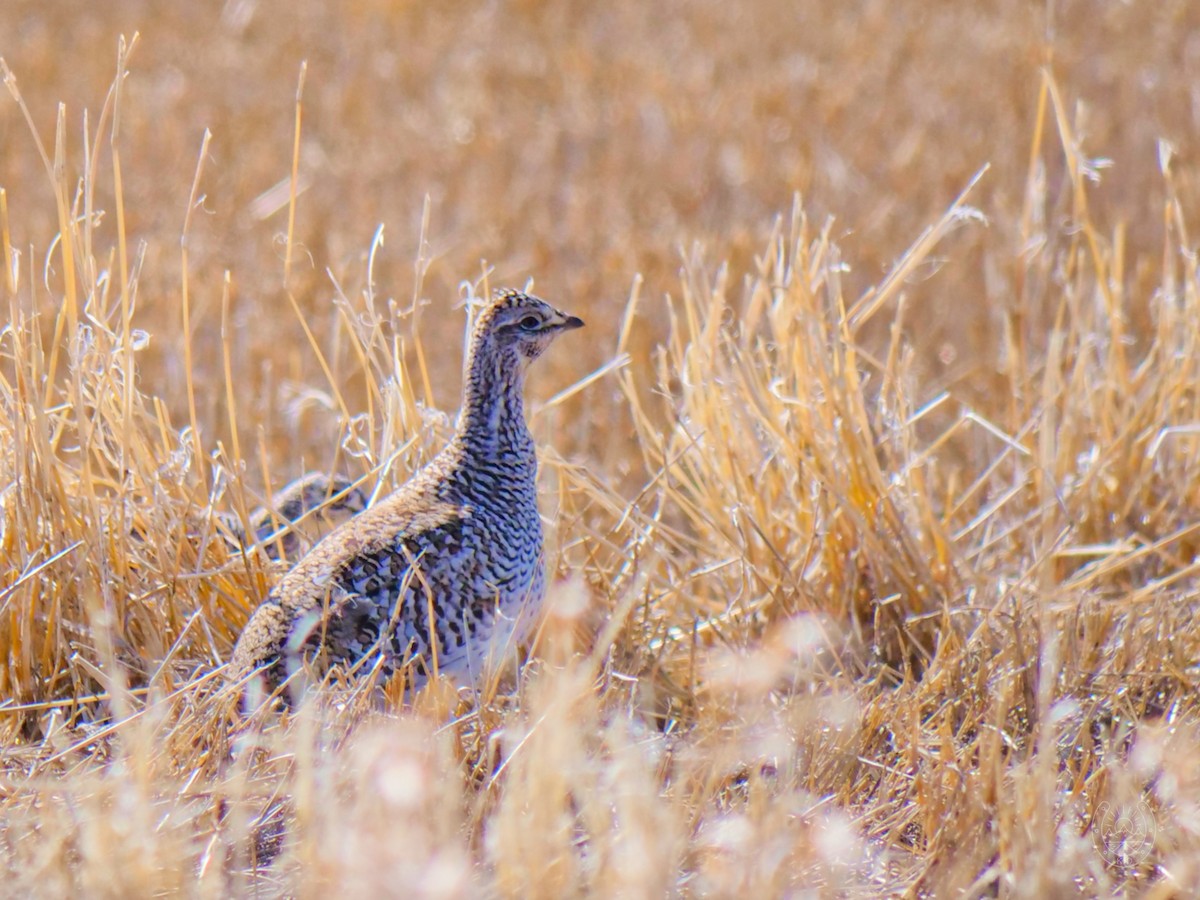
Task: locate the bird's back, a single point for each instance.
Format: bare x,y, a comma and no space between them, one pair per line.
447,570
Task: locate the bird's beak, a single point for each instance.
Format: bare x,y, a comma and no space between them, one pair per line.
570,323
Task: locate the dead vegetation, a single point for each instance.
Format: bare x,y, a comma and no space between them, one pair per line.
876,534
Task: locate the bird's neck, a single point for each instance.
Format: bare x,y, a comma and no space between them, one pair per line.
492,420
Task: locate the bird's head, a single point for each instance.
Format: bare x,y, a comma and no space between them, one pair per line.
522,322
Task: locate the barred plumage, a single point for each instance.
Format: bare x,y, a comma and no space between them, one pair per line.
447,570
292,519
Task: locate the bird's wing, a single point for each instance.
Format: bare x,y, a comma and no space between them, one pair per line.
377,537
368,555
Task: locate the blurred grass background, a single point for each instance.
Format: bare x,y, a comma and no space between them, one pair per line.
896,571
582,146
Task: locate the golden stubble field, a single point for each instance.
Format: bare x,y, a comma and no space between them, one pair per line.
872,486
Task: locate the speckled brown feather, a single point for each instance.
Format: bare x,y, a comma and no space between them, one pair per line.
297,515
306,589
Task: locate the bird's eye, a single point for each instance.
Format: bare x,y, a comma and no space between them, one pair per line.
530,323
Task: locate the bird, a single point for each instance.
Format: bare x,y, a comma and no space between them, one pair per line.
447,572
303,509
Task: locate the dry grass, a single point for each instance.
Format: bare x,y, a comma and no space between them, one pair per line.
875,578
